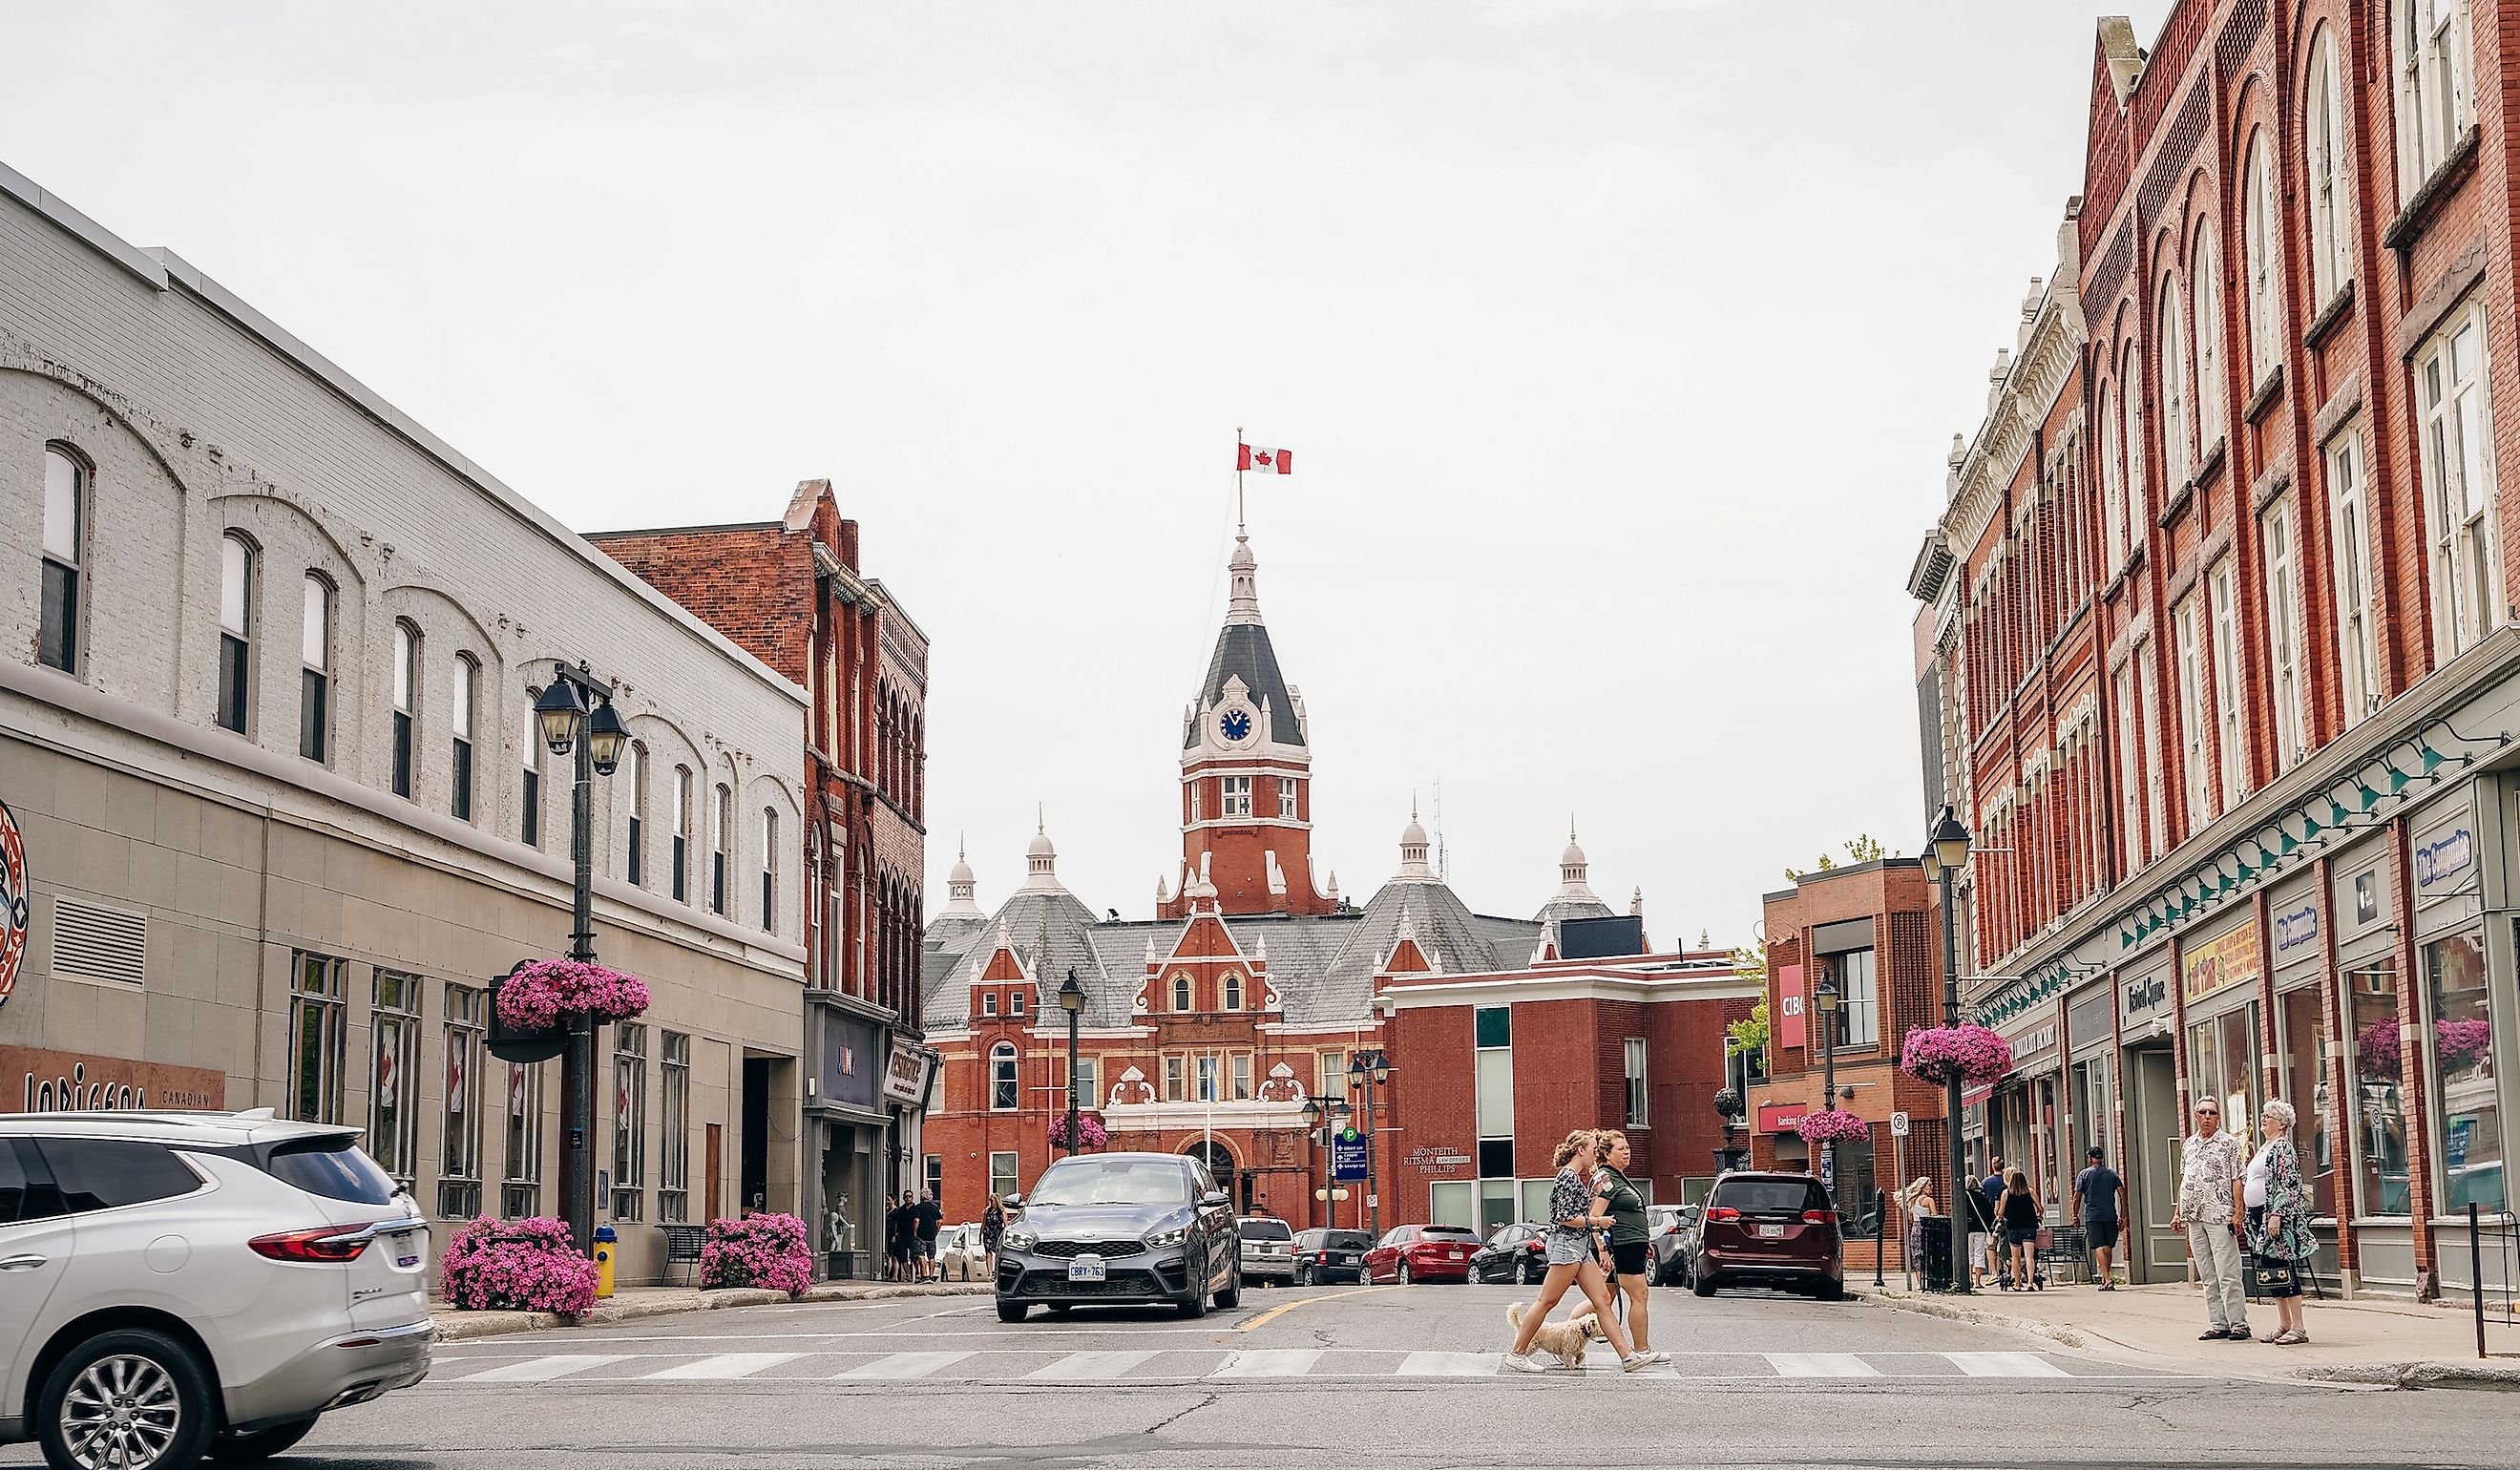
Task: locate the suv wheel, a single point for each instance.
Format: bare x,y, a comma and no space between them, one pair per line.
1828,1291
1303,1275
1232,1296
262,1444
1703,1284
131,1398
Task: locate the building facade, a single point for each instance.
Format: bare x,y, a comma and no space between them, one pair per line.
790,591
2284,871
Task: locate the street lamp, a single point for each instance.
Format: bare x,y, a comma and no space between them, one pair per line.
1947,850
1826,1001
575,704
1071,999
1322,1123
1366,1071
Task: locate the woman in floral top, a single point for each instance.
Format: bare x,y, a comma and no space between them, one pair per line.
1571,1223
2279,1210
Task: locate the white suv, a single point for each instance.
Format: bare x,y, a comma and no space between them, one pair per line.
176,1284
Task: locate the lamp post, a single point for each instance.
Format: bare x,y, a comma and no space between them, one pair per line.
577,703
1321,1124
1947,850
1366,1071
1071,999
1825,999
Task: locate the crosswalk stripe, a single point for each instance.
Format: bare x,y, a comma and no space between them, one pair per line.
2006,1365
543,1369
900,1365
727,1366
1821,1366
1448,1366
1270,1362
1089,1366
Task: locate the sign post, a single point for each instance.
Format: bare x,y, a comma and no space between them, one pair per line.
1899,1161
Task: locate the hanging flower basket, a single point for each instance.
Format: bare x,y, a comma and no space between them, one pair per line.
518,1266
1831,1125
2463,1044
759,1250
541,994
1934,1053
1091,1134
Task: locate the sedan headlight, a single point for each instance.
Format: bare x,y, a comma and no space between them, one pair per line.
1162,1238
1017,1240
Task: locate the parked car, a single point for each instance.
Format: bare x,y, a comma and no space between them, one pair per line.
1517,1251
1330,1256
1110,1228
1268,1250
1422,1252
1769,1229
175,1284
960,1256
1674,1233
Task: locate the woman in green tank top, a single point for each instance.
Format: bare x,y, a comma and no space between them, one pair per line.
1628,1249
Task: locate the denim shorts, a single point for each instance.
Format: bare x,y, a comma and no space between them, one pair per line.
1569,1247
2021,1235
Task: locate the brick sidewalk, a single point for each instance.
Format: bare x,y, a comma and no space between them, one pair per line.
2370,1340
632,1303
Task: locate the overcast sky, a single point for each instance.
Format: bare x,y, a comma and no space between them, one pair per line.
1620,345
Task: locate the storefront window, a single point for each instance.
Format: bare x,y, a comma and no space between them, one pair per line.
2305,1087
2220,1065
2378,1081
2464,1099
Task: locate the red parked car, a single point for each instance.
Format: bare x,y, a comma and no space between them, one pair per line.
1422,1252
1769,1229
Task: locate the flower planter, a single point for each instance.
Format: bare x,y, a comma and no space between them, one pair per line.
1090,1132
518,1266
542,995
1935,1053
767,1251
1831,1125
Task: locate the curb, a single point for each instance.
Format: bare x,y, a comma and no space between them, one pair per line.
1928,1307
466,1326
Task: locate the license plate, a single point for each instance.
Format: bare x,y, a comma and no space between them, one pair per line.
1085,1269
1772,1233
406,1252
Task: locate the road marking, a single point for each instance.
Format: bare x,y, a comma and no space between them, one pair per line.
1270,1362
727,1366
1089,1366
543,1369
1275,1313
900,1365
1821,1366
2006,1365
1449,1365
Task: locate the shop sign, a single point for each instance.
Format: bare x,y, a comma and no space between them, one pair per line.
2229,958
2028,1045
15,907
1437,1159
36,1080
2142,997
2441,857
849,1054
1790,1005
2296,928
2360,896
2087,1020
1780,1116
905,1074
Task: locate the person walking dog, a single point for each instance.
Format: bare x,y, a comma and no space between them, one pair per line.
2280,1208
1572,1221
2211,1163
1628,1246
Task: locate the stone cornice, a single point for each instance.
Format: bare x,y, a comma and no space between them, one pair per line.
2050,348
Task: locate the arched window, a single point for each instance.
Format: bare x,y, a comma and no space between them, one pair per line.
56,641
2175,442
2436,105
315,679
2203,268
1180,991
2112,481
406,703
2331,188
770,868
682,832
1232,991
2131,404
721,820
1003,1092
2259,223
236,631
468,687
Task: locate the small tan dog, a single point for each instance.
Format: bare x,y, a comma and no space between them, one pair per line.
1563,1341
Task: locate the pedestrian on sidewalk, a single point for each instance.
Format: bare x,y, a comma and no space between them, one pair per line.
1918,1202
993,1223
2098,1197
900,1229
2211,1166
1981,1234
2020,1232
2280,1209
1991,1190
1572,1220
930,1217
1630,1243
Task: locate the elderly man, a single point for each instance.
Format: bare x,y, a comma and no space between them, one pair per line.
2213,1171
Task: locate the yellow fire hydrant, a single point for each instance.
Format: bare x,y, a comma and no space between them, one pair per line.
604,1239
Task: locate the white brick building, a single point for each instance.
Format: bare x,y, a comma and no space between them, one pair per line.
265,727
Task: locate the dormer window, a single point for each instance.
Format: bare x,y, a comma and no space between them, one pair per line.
988,1002
1232,992
1181,993
1014,1002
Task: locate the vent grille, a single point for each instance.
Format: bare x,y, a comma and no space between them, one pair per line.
93,943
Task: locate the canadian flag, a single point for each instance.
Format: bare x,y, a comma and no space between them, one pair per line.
1283,460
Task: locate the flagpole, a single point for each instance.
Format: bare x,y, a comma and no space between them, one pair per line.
1237,480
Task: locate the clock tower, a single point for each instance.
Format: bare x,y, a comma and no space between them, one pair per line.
1246,774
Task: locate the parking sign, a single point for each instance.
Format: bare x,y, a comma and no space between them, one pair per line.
1898,1125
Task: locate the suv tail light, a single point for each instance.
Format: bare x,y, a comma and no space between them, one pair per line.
1722,1214
322,1244
1324,1256
1816,1216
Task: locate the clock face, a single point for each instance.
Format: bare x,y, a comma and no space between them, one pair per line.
1235,723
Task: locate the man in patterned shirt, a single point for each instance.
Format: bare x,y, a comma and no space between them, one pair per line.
2211,1166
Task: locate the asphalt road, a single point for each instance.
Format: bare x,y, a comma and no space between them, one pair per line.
1388,1376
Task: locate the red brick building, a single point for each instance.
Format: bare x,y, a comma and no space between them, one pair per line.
791,591
2270,858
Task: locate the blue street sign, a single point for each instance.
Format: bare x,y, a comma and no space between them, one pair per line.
1347,1154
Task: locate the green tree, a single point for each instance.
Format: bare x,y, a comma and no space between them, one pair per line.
1749,1033
1863,847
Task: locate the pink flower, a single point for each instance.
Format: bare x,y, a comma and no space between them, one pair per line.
1090,1132
1831,1125
2376,1054
2463,1044
761,1250
542,991
518,1266
1934,1053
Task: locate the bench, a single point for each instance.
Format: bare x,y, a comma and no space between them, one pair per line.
2065,1246
682,1248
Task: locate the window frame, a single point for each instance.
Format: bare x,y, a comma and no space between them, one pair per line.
460,719
1230,996
2278,535
1005,1078
2462,556
405,677
1182,997
674,1169
2261,224
521,1140
317,1010
2350,530
239,563
2230,743
1286,799
318,598
61,642
1236,793
629,1121
2331,183
639,762
2204,279
466,1027
1634,1058
2433,43
2194,767
393,1067
2176,445
682,833
770,870
721,838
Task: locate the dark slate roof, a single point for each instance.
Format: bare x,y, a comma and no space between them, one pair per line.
1564,909
1243,649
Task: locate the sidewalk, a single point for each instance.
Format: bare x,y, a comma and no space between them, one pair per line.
2372,1340
631,1303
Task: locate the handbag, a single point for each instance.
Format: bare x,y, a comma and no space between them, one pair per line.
2269,1273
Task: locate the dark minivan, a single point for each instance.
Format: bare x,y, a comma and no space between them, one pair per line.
1330,1256
1769,1229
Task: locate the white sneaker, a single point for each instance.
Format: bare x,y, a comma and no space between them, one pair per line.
1650,1356
1520,1364
1633,1361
